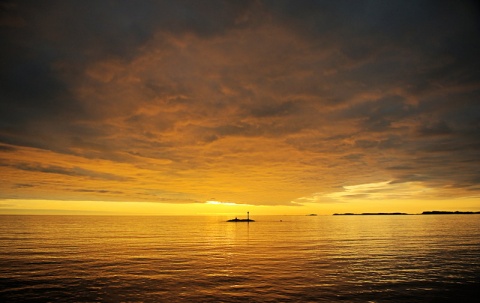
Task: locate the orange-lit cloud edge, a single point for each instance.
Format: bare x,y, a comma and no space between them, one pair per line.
258,116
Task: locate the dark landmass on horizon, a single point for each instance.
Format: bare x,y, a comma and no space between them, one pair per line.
440,212
370,214
432,212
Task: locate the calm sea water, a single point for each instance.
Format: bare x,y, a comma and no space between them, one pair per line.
205,259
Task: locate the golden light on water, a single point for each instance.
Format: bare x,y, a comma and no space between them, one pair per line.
205,258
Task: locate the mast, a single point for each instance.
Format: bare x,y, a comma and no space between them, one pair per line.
248,215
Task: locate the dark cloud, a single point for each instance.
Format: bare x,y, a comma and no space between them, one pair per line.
99,191
55,40
274,110
73,171
7,148
438,128
378,115
23,185
387,89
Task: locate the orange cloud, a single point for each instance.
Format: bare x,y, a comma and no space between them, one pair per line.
272,104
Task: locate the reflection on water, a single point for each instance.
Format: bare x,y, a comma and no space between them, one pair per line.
205,259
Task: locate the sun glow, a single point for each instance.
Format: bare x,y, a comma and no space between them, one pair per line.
213,202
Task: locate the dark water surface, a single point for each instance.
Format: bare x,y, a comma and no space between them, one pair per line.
205,259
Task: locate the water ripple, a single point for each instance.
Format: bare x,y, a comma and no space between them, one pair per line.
205,259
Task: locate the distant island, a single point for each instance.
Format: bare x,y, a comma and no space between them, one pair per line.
431,212
370,214
440,212
242,220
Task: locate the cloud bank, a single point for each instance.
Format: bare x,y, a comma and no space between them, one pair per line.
255,102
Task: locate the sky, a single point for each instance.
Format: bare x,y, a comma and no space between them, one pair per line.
222,107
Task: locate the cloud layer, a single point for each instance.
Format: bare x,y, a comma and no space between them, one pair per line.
258,102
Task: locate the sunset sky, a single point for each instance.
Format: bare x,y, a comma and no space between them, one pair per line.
221,107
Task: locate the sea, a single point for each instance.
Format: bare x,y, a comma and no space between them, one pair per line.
403,258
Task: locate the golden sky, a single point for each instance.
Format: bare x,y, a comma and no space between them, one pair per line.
220,107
